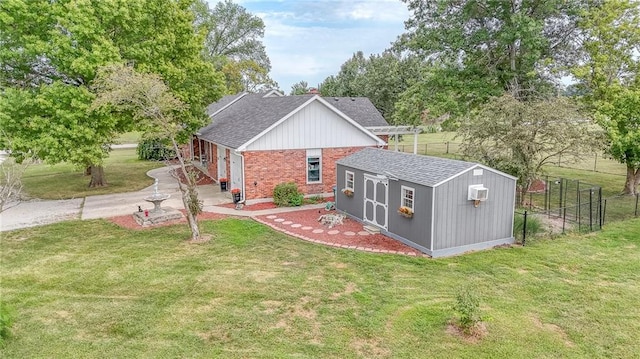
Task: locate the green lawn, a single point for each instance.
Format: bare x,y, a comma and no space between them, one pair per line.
124,172
129,137
445,144
93,290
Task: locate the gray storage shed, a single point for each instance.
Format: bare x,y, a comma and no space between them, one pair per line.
439,206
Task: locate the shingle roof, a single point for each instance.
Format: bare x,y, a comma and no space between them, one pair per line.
424,170
253,113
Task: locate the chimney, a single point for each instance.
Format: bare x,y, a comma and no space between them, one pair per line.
313,91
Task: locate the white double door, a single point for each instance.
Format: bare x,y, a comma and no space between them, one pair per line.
376,199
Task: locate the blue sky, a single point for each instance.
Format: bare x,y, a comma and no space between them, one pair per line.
309,40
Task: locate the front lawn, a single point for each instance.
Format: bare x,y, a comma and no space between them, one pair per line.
123,170
93,290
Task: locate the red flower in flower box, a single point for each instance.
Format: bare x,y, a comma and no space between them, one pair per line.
235,190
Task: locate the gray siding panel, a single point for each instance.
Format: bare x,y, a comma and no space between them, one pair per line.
418,228
458,223
352,205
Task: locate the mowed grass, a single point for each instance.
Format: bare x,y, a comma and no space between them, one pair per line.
123,170
445,144
93,290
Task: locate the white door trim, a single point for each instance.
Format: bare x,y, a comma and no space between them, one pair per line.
375,202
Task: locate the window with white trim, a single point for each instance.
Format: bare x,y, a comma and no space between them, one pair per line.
348,180
407,197
314,166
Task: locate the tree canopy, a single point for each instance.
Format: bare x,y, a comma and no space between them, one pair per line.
608,74
50,55
473,50
519,137
233,44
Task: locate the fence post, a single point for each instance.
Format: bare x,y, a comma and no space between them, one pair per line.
591,209
564,218
604,211
600,206
447,147
524,228
560,196
425,148
636,211
578,202
595,163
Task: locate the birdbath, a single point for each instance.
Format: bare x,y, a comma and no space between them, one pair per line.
156,198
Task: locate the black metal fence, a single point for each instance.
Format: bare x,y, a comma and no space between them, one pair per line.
620,208
566,204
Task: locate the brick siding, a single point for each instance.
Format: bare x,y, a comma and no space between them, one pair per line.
265,169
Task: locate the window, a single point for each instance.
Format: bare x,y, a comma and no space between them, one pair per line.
314,166
348,180
408,196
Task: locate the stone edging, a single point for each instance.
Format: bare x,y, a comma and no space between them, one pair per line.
336,245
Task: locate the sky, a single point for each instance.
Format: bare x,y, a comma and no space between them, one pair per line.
309,40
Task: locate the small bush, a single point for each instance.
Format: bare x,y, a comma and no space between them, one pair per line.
155,149
287,195
467,306
6,321
534,226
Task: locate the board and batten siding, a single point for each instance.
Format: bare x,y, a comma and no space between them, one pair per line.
313,126
458,223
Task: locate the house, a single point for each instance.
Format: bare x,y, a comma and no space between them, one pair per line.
439,206
257,141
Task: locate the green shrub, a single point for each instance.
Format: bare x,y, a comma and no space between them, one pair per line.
155,149
534,226
6,321
467,306
287,195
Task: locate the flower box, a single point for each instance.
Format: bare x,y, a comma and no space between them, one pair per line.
347,192
405,212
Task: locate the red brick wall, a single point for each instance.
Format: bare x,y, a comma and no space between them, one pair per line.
269,168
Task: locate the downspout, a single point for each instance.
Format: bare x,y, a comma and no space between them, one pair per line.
242,186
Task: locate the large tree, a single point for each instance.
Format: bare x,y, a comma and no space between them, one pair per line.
381,78
520,137
233,44
121,90
476,49
608,74
49,57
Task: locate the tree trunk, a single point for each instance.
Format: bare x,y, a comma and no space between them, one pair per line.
191,217
97,177
632,181
87,170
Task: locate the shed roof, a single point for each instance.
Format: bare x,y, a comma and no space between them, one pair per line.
240,118
425,170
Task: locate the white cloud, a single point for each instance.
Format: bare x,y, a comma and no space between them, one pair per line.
310,40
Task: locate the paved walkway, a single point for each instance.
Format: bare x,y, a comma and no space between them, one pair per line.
41,212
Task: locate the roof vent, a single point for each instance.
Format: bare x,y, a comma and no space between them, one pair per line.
353,99
335,99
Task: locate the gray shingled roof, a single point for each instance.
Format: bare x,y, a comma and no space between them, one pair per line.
424,170
254,113
212,108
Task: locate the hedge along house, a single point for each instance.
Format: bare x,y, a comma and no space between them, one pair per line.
257,141
439,206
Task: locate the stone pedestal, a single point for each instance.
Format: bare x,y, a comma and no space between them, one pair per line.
149,218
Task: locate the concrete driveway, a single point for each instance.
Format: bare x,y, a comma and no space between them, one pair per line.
40,212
